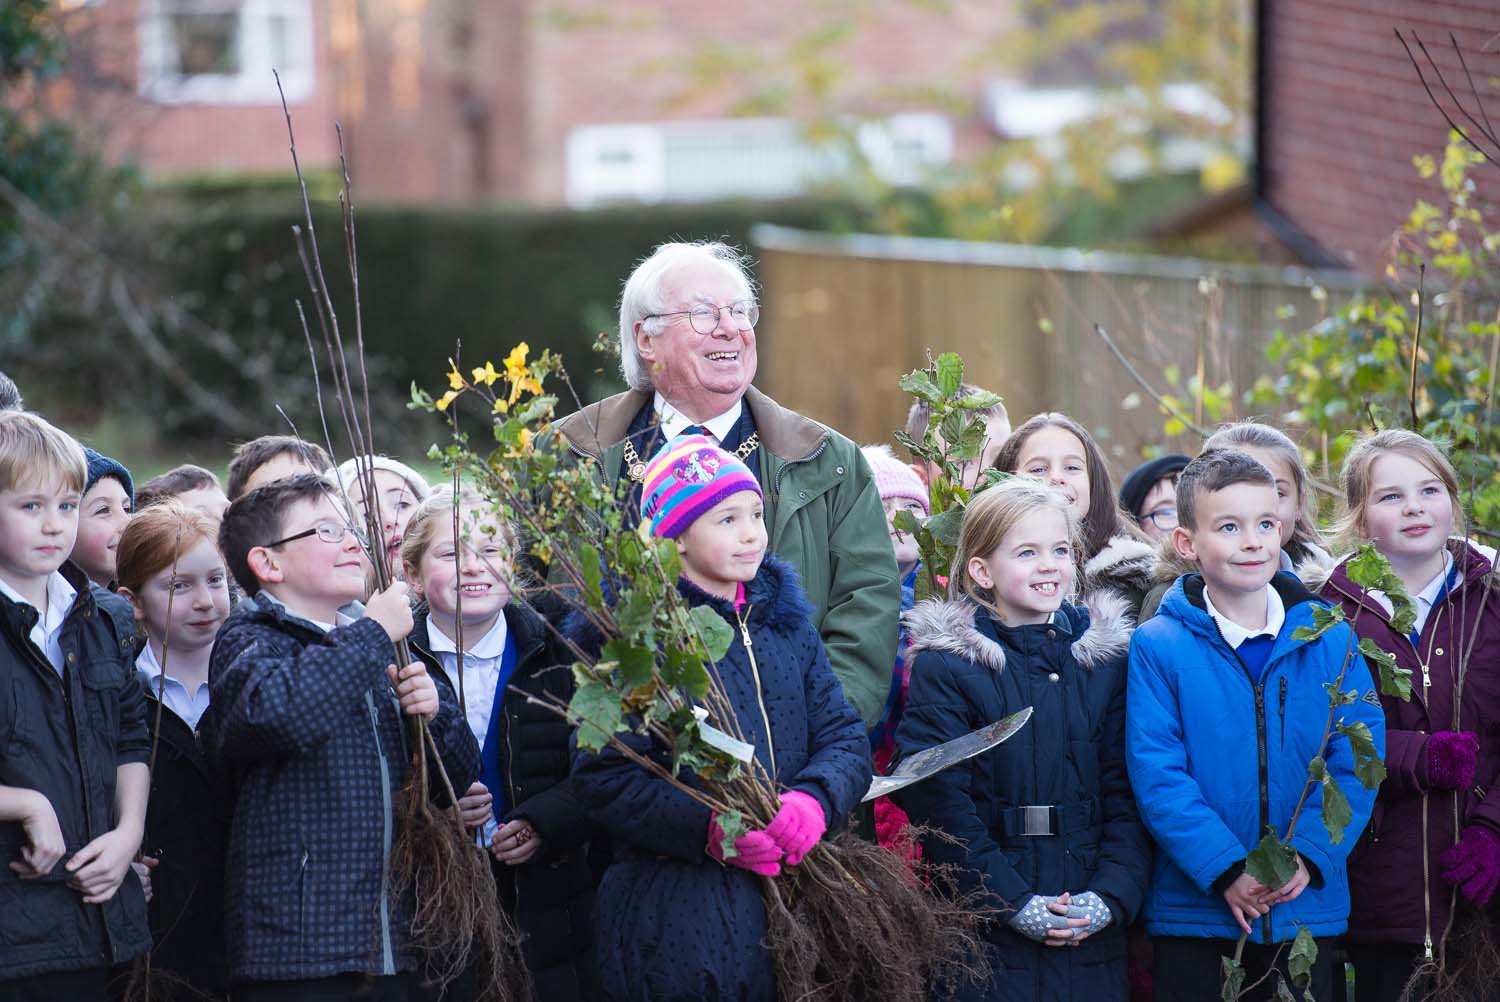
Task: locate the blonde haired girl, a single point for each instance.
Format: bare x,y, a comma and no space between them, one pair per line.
1433,830
1044,826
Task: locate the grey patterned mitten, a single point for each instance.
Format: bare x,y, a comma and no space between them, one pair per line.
1033,919
1092,907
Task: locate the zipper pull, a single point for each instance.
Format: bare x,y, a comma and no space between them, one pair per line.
1427,945
1426,679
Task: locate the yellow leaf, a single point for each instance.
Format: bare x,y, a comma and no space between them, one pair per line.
448,398
501,406
487,374
515,362
455,378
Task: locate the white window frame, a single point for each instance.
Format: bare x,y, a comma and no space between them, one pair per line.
591,182
254,82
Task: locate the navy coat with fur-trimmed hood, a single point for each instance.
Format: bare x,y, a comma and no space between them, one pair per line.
670,922
969,670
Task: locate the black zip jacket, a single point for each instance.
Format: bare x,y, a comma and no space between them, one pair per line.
65,736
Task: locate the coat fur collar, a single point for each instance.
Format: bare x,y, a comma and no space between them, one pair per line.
948,626
1123,558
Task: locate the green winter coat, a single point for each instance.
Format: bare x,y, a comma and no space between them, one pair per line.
823,516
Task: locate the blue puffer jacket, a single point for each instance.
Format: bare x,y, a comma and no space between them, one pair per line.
970,670
671,923
308,727
1214,759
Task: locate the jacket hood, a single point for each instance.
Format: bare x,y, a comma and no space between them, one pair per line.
1123,558
1101,631
1475,561
595,429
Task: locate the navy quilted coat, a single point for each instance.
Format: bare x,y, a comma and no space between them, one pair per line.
970,670
309,728
671,923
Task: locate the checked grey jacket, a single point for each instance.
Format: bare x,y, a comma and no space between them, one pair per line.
308,730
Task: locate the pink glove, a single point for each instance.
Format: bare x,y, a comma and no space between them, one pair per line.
798,825
1450,759
755,851
1474,864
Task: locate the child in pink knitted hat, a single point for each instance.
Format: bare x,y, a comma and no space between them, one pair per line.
679,912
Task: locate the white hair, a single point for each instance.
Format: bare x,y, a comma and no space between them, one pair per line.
641,296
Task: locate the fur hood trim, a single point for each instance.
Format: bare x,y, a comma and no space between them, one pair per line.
1123,557
948,626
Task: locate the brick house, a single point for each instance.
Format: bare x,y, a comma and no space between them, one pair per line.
470,102
1340,112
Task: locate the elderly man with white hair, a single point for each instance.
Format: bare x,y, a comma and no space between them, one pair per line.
687,350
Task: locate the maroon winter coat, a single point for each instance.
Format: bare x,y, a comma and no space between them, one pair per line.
1394,876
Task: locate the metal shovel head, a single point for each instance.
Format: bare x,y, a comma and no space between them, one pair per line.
931,761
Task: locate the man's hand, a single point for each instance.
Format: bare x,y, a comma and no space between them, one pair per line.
45,845
474,805
1246,900
392,610
99,867
415,689
515,842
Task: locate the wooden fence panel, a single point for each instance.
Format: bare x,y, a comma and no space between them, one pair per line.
844,316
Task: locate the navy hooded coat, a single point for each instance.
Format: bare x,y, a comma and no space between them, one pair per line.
670,922
969,670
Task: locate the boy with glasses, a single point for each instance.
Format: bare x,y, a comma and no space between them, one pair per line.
306,715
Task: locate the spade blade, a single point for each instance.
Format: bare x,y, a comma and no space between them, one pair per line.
931,761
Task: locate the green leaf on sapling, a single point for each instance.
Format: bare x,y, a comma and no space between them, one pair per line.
1231,978
683,669
1372,572
1325,618
595,711
1303,957
635,663
963,435
944,527
1272,862
950,373
635,613
1368,767
920,384
1337,698
593,574
906,521
732,825
1337,814
716,634
1395,681
980,400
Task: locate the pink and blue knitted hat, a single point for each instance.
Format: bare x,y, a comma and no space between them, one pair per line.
687,477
